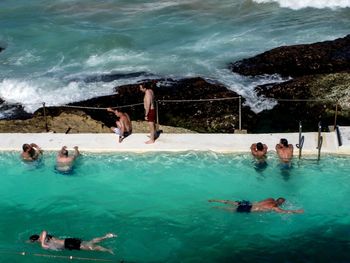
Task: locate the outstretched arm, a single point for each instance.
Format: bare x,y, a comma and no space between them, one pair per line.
76,152
282,211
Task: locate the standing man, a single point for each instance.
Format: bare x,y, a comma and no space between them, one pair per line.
284,151
124,126
150,113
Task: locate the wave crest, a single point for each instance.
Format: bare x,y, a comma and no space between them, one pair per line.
299,4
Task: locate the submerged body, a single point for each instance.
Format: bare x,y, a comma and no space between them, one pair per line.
53,243
266,205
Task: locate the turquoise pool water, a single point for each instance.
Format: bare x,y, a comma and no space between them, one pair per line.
157,204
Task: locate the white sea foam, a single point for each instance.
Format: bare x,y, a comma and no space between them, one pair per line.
299,4
245,86
32,93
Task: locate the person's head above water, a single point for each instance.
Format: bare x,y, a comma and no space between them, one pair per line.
284,142
280,200
64,151
259,146
34,238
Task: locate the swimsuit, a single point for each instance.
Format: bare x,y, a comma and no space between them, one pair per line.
151,116
126,133
244,206
72,243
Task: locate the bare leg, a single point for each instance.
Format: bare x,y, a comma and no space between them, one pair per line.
92,247
152,132
99,239
223,202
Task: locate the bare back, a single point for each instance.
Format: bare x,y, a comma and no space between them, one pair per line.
285,153
148,100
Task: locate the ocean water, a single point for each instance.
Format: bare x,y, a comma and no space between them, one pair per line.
157,204
53,47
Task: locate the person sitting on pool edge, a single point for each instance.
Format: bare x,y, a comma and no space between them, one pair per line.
124,125
64,163
53,243
266,205
31,152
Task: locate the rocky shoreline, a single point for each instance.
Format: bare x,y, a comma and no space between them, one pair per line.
320,71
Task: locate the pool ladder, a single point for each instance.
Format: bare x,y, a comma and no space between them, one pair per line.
319,141
302,138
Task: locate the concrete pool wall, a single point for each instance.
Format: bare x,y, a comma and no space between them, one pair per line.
227,143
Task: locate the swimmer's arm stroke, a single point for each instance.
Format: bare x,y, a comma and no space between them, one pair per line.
43,240
282,211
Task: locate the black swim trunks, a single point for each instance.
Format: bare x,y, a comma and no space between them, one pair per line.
244,206
72,243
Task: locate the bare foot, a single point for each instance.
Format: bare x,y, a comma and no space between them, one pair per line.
110,235
149,142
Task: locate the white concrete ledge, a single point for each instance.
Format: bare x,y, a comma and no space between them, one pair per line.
226,143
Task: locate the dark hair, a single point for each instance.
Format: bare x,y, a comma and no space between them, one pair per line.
259,146
34,238
280,200
284,142
65,153
25,147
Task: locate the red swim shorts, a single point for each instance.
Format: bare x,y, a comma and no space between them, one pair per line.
151,116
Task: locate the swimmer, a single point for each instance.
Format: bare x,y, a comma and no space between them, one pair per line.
64,163
266,205
31,152
53,243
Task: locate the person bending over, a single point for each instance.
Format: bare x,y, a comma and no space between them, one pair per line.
266,205
53,243
31,152
124,126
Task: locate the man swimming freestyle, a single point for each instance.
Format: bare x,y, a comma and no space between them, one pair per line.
267,205
53,243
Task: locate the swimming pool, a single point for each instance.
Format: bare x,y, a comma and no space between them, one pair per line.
157,204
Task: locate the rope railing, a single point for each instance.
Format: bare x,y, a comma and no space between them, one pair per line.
162,102
23,253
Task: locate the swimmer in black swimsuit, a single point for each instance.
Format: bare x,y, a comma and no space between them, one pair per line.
266,205
50,242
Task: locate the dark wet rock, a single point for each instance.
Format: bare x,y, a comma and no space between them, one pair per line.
112,77
322,96
11,111
206,116
298,60
1,49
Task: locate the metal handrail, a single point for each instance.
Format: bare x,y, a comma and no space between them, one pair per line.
301,139
319,141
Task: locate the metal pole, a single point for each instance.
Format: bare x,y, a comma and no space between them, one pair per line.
300,146
45,118
240,113
335,115
319,141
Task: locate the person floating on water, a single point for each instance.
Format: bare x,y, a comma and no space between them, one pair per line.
64,163
53,243
124,126
150,112
31,152
266,205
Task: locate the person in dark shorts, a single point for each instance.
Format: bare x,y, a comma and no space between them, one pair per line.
53,243
267,205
